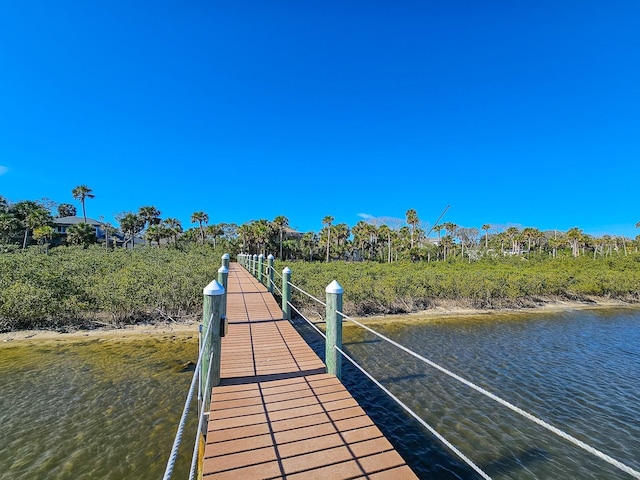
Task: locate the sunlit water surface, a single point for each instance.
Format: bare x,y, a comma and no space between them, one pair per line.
109,409
578,370
93,409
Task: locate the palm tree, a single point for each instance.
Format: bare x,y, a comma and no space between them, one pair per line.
574,235
261,233
81,234
513,234
281,222
413,220
327,221
82,192
131,225
309,240
150,215
155,233
486,228
385,231
174,228
200,218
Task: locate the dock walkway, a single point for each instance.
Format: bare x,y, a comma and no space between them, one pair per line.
277,414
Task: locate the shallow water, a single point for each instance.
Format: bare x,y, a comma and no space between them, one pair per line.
109,409
99,409
576,370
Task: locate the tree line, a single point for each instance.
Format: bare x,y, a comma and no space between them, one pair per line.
376,239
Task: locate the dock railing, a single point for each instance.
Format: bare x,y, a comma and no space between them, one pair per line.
213,328
206,373
333,355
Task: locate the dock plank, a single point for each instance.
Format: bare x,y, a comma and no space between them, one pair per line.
277,414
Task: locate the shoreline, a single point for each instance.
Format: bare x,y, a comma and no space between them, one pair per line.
442,310
107,332
451,309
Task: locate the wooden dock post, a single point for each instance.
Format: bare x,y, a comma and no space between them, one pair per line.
260,268
333,358
223,275
213,294
225,260
270,259
254,265
286,293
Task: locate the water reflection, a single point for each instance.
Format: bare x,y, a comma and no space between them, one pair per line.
577,370
100,409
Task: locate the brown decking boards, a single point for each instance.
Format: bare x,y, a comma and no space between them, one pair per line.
276,414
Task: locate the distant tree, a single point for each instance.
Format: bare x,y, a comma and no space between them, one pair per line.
43,235
486,227
261,233
214,231
413,220
513,234
574,235
327,222
9,225
200,218
67,210
174,228
131,225
150,215
309,241
82,192
155,233
81,234
30,214
4,205
109,231
281,223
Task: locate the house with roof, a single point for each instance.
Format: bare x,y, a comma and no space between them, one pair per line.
62,224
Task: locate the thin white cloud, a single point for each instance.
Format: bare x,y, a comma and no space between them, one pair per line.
3,170
366,216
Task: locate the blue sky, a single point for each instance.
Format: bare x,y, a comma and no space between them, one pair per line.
513,113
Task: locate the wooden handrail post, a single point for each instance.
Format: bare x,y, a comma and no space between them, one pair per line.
260,268
223,276
211,309
254,265
225,260
270,259
333,358
286,293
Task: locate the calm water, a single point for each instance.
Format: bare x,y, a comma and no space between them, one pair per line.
108,409
577,370
93,409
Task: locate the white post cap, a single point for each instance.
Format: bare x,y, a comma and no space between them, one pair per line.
334,287
286,271
270,257
214,288
223,269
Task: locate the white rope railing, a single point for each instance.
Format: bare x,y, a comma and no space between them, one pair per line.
183,419
505,403
603,456
308,321
308,295
196,445
416,416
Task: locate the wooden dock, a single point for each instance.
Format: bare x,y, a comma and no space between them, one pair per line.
277,414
